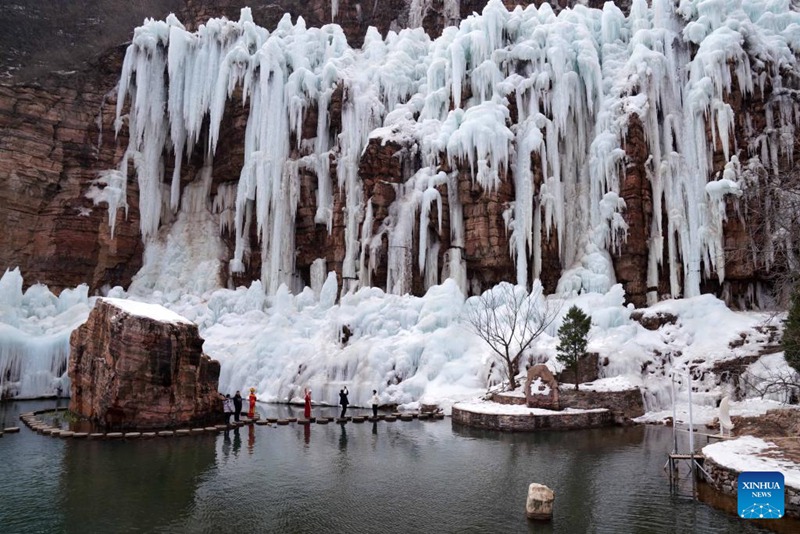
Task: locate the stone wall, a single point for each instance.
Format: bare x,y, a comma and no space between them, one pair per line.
725,481
133,372
528,423
624,405
588,370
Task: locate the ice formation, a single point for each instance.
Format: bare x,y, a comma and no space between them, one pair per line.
35,326
411,349
575,80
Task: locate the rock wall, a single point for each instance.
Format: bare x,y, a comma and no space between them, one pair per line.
726,481
588,370
134,372
624,405
528,423
56,133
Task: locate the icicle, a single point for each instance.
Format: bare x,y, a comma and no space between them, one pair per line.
576,80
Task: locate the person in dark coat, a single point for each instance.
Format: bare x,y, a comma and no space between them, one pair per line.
237,406
343,401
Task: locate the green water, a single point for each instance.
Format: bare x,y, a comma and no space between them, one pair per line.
419,476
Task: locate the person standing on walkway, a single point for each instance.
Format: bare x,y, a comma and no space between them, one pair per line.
307,409
251,413
237,406
375,401
227,407
343,401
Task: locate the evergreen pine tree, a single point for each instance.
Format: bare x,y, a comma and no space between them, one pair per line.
791,333
573,338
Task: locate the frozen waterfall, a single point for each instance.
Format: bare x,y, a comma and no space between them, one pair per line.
573,79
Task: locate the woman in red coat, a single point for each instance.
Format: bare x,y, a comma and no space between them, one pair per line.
252,413
307,411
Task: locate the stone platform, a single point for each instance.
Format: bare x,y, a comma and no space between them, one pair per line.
511,418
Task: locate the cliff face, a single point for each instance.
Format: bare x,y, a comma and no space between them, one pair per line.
57,134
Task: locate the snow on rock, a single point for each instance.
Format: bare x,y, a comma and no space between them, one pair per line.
704,409
745,454
614,383
573,80
155,312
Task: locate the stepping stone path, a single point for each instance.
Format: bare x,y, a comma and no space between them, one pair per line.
41,427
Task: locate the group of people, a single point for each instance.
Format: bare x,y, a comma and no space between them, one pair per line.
233,406
344,402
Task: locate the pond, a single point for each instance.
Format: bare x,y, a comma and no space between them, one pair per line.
418,476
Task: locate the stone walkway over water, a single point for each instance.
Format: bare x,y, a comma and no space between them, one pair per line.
35,423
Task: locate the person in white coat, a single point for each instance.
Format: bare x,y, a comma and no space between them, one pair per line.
227,407
375,401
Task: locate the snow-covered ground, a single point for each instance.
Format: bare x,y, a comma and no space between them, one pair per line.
494,408
413,350
747,453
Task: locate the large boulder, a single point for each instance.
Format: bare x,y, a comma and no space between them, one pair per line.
136,365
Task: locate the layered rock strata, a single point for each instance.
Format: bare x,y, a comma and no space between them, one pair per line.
56,135
139,366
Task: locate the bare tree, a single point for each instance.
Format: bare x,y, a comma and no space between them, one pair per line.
776,381
509,319
770,208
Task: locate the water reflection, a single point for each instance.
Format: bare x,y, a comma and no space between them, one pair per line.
107,487
417,476
237,441
343,438
226,444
